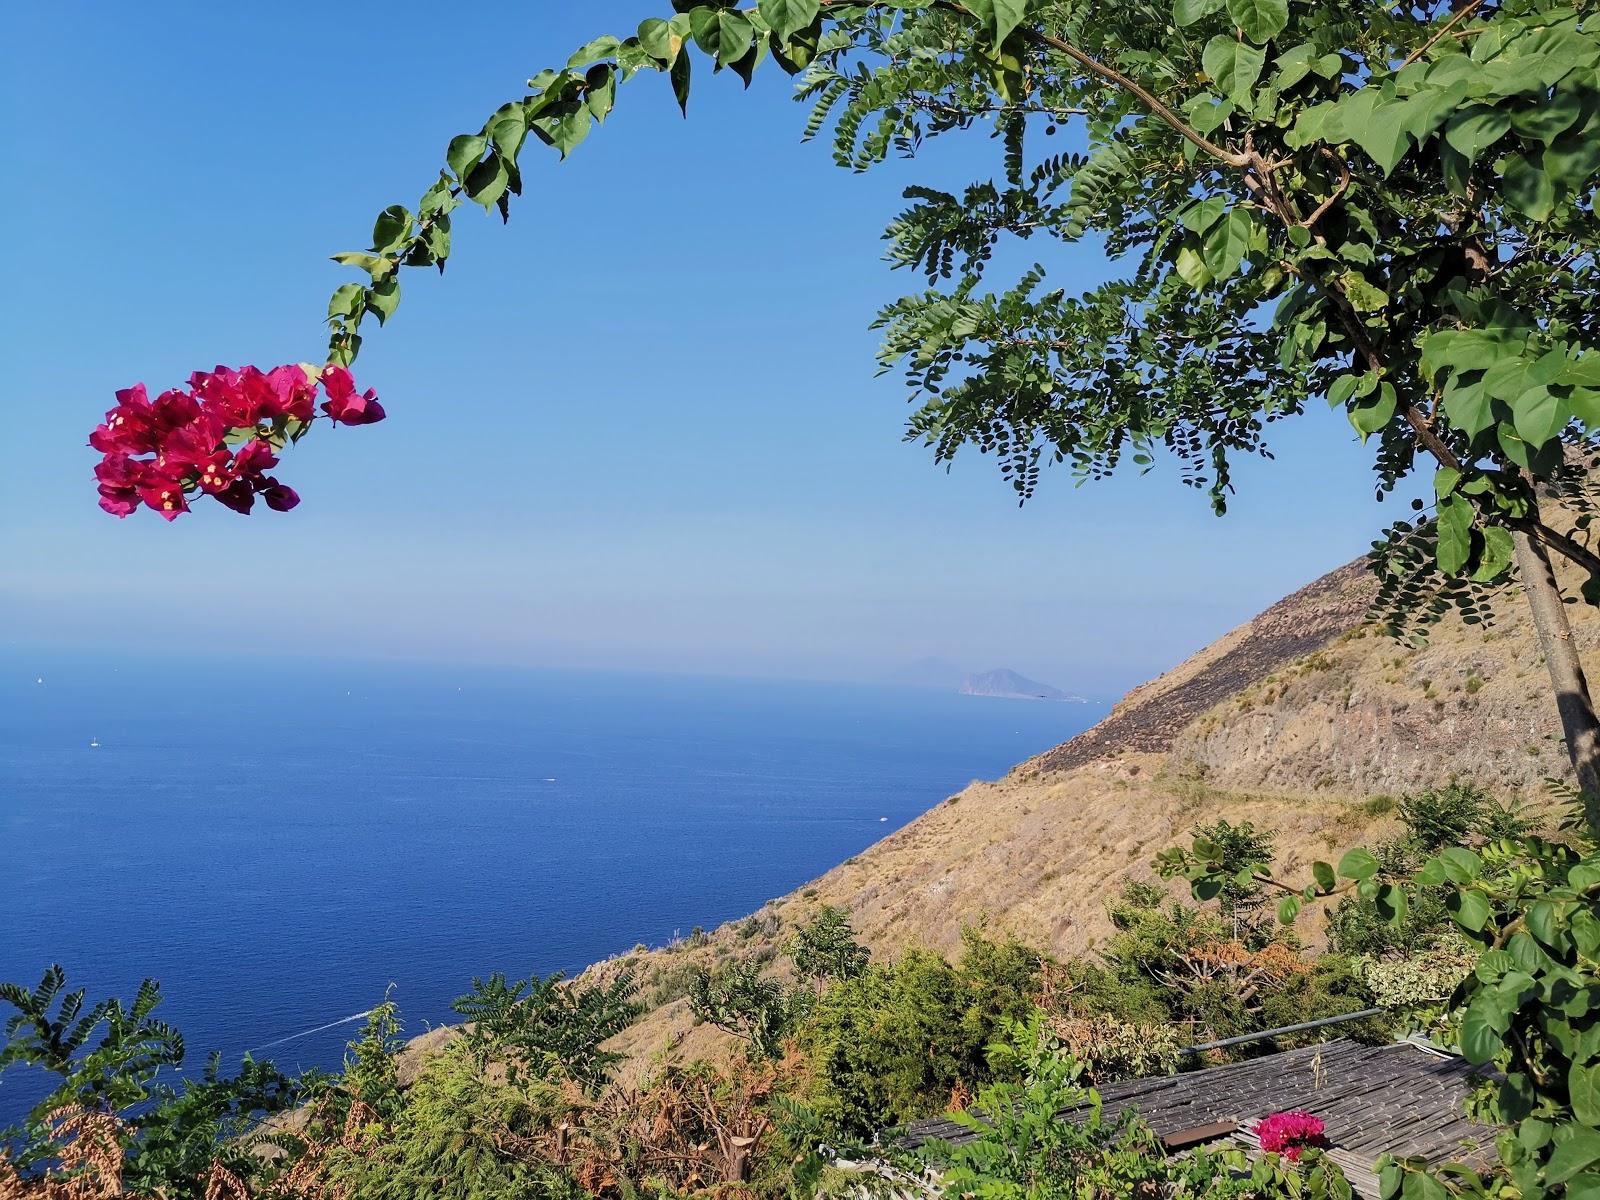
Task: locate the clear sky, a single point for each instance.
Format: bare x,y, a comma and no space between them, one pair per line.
637,427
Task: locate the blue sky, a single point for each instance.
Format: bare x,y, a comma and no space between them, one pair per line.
637,427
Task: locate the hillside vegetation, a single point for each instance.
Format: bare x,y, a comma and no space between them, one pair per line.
1305,721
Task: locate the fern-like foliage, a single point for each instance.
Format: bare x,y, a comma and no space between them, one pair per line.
107,1059
536,1024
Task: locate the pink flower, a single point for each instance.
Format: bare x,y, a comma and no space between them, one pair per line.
1290,1133
238,496
118,478
164,493
162,454
343,405
279,497
128,427
251,459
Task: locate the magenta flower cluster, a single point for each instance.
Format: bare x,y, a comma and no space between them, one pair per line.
218,437
1290,1133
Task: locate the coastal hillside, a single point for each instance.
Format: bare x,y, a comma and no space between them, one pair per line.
1305,721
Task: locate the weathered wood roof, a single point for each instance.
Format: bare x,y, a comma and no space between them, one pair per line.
1401,1099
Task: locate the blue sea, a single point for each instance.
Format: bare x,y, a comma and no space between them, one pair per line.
280,844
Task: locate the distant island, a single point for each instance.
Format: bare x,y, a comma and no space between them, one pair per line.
1008,685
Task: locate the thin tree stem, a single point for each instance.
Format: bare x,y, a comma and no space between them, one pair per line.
1578,722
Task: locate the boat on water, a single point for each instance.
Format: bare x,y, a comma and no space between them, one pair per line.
94,743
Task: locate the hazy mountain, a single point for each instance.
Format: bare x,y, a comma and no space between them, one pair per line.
1009,685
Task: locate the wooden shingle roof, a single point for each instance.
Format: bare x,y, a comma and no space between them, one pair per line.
1401,1099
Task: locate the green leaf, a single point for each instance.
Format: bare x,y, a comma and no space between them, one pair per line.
999,17
1469,406
1233,66
1227,243
1383,134
391,228
1480,1038
508,127
1547,119
1187,12
383,298
1455,535
488,181
1577,1148
1527,185
1192,268
1543,921
1470,910
1364,296
1473,130
1358,864
680,82
372,264
1323,874
1341,389
465,150
1572,159
1288,910
600,93
346,300
1460,864
659,40
1392,904
1202,214
788,17
1465,350
602,47
1583,1085
1261,20
735,34
1539,415
566,131
1293,65
1495,559
1373,415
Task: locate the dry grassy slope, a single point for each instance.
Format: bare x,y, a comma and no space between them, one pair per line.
1293,721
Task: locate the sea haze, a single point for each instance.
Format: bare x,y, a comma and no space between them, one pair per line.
277,846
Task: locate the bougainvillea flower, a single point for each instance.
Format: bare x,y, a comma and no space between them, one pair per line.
186,443
279,497
1290,1134
164,493
217,473
343,405
128,427
238,495
118,478
253,458
119,484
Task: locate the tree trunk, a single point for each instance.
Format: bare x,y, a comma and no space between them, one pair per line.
1578,722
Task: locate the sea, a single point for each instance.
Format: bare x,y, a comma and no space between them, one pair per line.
282,845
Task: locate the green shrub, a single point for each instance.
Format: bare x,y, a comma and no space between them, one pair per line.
1459,814
540,1024
448,1140
897,1041
106,1060
1378,806
827,948
739,1000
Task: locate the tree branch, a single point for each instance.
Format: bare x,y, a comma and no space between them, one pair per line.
1461,14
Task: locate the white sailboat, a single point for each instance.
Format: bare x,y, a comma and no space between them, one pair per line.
94,743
